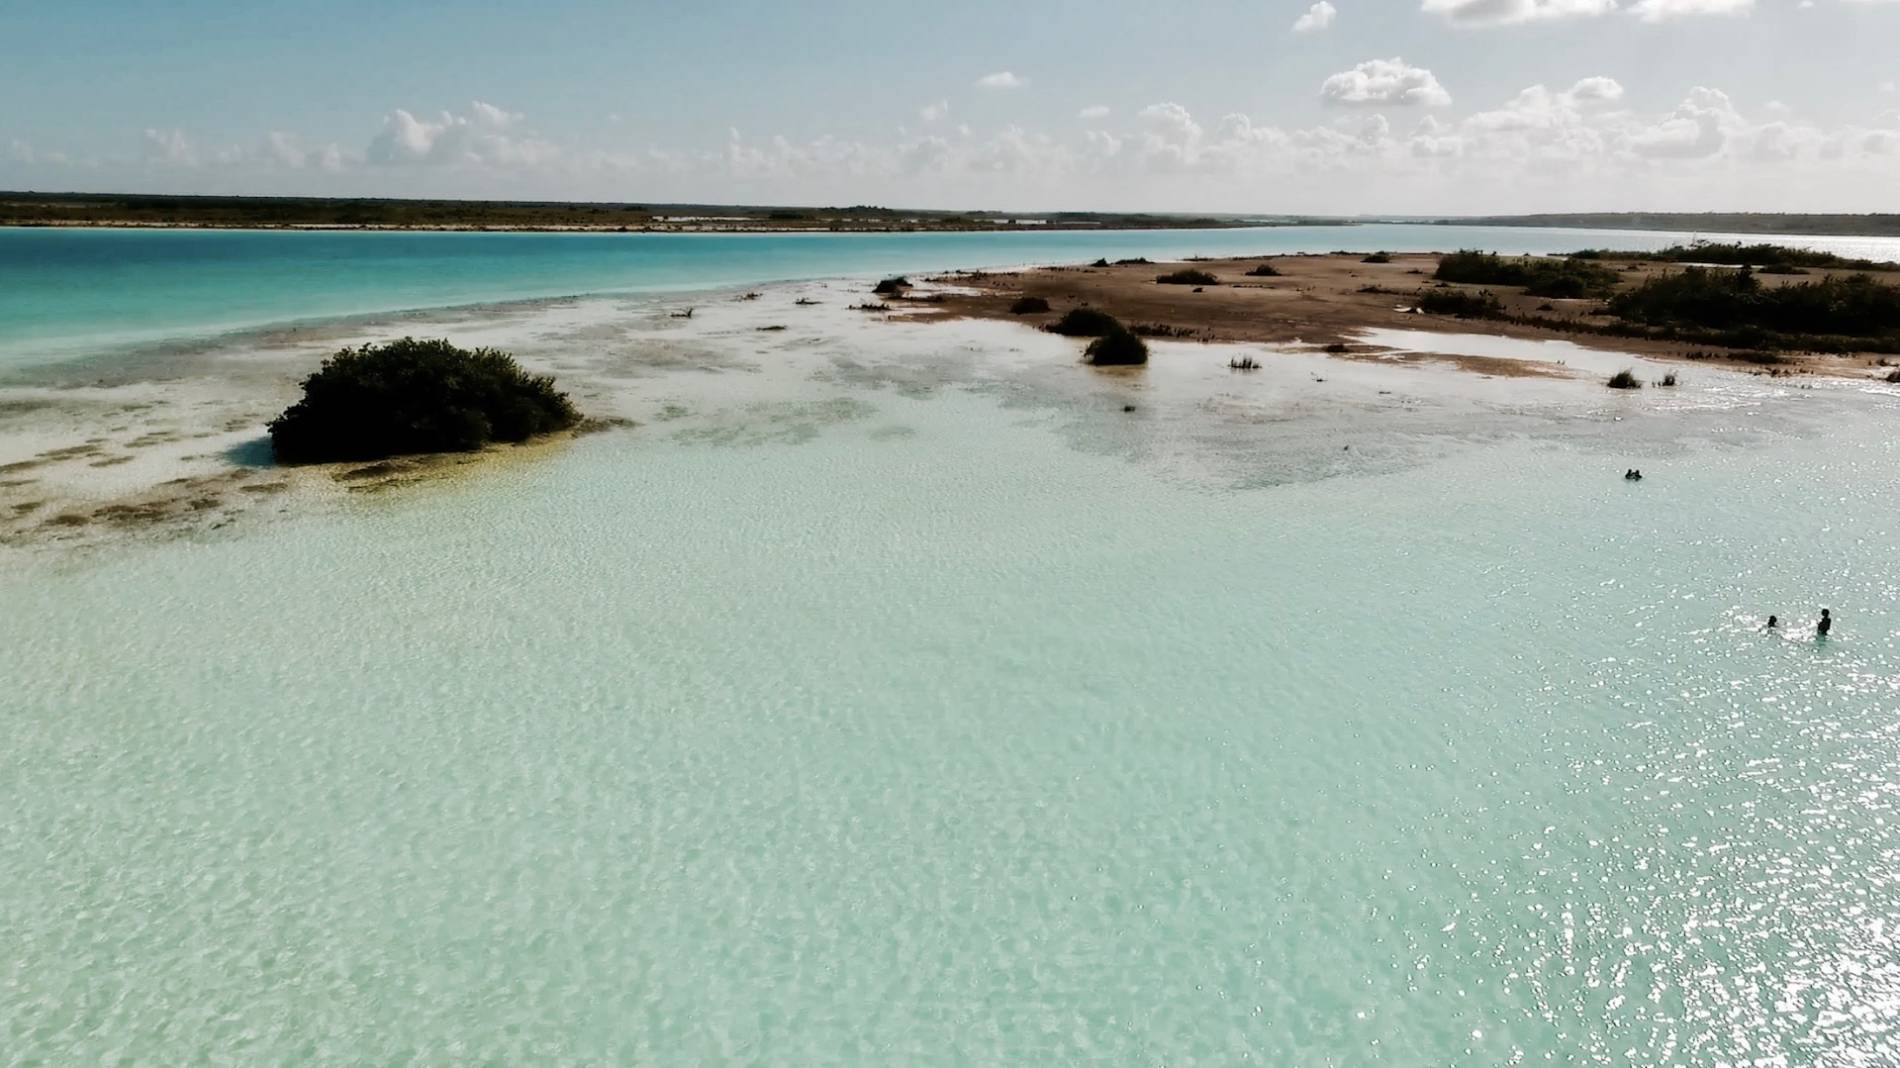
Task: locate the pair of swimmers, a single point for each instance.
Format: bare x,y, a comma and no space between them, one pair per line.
1632,475
1820,629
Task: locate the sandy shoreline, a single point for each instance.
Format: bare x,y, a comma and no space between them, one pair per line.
1329,300
171,442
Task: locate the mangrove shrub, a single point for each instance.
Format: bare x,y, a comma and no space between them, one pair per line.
411,396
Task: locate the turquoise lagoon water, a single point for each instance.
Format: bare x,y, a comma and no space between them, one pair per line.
67,292
966,720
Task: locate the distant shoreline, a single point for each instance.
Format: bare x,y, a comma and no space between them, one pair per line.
1763,223
506,228
148,211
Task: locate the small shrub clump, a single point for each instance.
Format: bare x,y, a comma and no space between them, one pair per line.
1084,322
1625,380
1187,277
891,287
1378,257
1029,306
1668,380
411,396
1559,279
1770,258
1117,349
1265,270
1893,376
1457,302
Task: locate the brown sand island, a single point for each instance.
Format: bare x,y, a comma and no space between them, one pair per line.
171,445
1845,322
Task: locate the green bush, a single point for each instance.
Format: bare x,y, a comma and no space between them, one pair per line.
1625,380
1188,277
411,396
1736,254
1736,303
1265,270
1117,349
1458,302
1084,322
1029,306
1560,279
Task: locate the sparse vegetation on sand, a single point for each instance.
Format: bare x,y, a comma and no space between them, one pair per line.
411,396
1730,307
1893,376
1777,259
891,287
1028,306
1119,348
1162,330
1187,277
1265,270
1458,302
1554,278
1084,322
1378,257
1625,380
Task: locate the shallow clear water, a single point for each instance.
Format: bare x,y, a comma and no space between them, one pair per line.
925,735
64,292
907,701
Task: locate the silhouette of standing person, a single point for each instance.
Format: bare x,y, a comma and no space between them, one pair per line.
1826,624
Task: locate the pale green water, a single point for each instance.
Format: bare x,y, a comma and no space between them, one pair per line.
889,695
926,730
67,293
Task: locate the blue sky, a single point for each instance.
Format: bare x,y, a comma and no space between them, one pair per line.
1366,106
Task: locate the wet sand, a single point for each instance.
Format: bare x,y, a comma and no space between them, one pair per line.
169,441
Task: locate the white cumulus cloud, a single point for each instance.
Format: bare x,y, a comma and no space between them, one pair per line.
1505,12
1002,79
1317,18
1664,10
482,137
169,148
1384,82
1511,12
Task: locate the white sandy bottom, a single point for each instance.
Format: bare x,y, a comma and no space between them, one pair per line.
189,431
